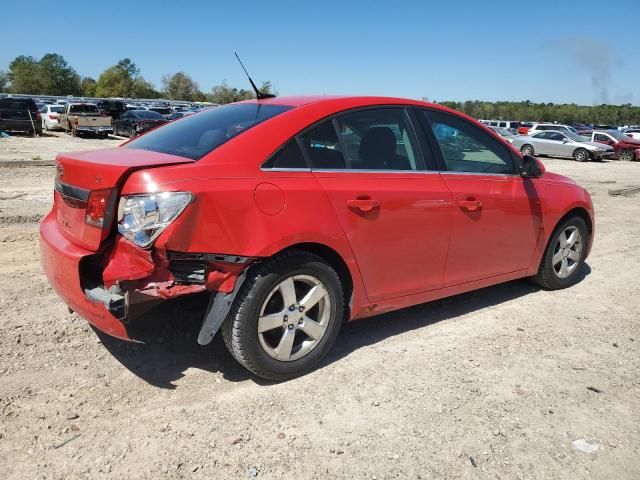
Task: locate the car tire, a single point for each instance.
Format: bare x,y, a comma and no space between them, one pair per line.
581,155
45,126
564,257
527,149
262,300
626,155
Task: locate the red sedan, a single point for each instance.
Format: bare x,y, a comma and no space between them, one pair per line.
301,213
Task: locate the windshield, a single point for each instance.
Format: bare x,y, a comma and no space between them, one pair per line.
575,137
149,115
57,109
163,111
196,135
503,132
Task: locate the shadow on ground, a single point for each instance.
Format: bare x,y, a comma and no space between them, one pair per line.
170,334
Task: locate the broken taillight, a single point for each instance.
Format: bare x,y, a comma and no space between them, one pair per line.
97,206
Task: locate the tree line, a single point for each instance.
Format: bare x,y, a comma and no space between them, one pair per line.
52,75
550,112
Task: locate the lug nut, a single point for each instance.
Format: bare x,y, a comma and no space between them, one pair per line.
290,327
285,318
300,322
301,309
292,308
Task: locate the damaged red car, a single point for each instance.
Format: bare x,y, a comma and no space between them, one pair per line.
298,214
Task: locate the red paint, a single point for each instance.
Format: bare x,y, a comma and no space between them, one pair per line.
405,237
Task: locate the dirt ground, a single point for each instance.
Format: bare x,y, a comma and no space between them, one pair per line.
497,383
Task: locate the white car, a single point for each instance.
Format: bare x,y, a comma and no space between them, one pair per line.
543,127
49,114
633,133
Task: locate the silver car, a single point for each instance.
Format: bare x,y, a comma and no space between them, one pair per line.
562,144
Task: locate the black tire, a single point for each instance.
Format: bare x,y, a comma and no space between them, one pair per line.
626,155
527,149
581,155
240,329
547,277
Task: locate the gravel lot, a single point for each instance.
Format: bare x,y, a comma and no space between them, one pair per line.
497,383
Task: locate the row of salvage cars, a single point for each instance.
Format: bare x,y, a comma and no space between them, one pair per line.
557,141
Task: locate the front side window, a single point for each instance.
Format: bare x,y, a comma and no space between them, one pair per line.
543,135
601,138
197,135
378,139
466,148
558,137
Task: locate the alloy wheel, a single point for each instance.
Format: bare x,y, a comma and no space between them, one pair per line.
294,317
567,252
626,155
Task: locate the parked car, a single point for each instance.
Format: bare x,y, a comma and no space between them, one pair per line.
49,114
504,133
78,118
136,122
20,114
166,112
633,133
562,144
112,108
524,127
260,204
625,148
509,125
543,127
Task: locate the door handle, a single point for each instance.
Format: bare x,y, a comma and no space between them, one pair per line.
362,204
469,205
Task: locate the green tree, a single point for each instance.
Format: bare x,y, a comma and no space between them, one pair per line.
180,86
4,81
144,89
118,80
88,86
58,77
25,75
223,93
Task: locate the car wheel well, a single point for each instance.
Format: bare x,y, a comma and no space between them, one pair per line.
577,212
334,259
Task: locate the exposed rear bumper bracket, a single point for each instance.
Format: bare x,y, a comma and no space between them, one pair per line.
217,311
115,303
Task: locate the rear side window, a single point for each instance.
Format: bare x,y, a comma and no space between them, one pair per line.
467,148
289,156
197,135
323,147
378,139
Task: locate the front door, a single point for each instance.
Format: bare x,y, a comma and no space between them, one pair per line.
395,213
496,218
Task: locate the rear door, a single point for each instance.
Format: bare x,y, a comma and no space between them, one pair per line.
496,215
395,211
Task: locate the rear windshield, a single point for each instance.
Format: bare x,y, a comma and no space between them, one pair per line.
196,135
84,108
57,109
148,114
17,104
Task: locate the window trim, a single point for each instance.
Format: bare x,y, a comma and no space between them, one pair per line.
426,125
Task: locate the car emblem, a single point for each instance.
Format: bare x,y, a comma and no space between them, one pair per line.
60,170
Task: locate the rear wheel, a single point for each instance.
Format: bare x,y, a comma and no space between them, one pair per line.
563,259
581,155
286,317
626,155
527,149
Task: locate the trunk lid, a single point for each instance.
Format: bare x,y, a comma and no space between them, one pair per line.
89,181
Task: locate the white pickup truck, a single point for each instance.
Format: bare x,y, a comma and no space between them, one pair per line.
85,118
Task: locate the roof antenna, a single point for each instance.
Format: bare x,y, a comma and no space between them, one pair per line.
259,94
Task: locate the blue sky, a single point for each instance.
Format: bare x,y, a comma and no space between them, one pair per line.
447,50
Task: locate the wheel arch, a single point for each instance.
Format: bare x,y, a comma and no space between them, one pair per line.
333,258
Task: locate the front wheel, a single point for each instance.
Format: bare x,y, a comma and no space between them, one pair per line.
286,317
564,256
527,149
581,155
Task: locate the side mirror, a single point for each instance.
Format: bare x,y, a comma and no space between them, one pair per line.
565,140
531,167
